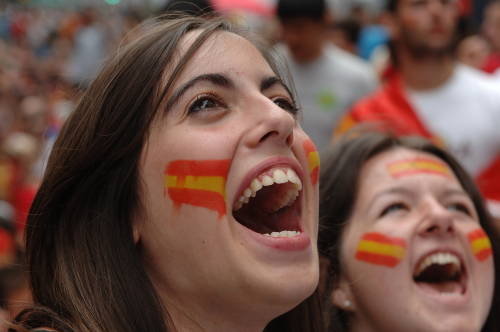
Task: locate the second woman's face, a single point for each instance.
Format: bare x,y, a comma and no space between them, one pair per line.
414,255
229,186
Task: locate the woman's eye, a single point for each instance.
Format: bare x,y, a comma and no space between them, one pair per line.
286,104
203,103
459,207
393,208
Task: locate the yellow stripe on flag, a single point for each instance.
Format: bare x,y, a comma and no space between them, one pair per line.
209,183
381,248
480,244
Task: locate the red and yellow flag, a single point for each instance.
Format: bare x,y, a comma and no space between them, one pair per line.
313,160
418,165
480,244
198,182
379,249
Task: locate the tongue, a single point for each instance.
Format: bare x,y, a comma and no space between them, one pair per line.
441,287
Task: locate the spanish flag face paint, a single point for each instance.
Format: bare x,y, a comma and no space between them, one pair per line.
480,244
379,249
414,166
313,160
198,183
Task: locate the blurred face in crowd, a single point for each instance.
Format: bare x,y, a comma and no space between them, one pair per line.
231,205
425,27
473,51
414,255
491,25
304,38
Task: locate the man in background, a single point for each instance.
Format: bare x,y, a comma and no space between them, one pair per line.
328,80
431,95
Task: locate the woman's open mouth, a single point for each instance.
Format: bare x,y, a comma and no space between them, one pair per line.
441,273
270,205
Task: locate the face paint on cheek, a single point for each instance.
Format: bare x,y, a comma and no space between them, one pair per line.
313,160
417,166
379,249
480,244
199,183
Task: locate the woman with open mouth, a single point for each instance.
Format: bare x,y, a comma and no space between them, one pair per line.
181,194
406,242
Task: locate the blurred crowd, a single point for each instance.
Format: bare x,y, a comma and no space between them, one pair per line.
49,55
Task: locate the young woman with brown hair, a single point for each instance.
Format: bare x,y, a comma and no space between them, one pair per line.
180,194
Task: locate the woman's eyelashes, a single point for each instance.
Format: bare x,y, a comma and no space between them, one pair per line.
287,104
211,102
203,103
392,208
460,207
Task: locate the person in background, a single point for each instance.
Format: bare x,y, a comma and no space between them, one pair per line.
344,34
491,31
432,95
406,242
328,80
473,51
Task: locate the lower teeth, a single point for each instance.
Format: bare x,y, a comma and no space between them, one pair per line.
283,234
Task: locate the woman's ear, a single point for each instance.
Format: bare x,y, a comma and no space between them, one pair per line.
342,297
136,227
135,233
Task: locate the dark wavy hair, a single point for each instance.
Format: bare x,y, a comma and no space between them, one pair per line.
339,185
87,274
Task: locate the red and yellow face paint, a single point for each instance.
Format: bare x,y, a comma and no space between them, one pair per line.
480,244
414,166
313,160
199,183
379,249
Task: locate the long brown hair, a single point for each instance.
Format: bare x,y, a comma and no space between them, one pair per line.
341,169
86,272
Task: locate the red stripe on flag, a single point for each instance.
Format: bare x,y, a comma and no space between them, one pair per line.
377,259
198,168
477,234
377,237
315,175
202,198
399,174
309,146
484,254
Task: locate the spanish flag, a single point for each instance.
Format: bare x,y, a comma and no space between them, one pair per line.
480,244
198,182
376,248
418,165
313,158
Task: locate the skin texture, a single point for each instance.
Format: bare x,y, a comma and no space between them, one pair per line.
216,275
428,212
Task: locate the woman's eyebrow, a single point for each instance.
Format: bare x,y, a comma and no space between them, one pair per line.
214,78
270,81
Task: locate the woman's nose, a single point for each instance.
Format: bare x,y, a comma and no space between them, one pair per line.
270,124
437,220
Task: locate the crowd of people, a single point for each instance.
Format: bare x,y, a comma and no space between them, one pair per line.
150,159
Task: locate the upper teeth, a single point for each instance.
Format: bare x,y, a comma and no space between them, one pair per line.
441,258
277,175
283,234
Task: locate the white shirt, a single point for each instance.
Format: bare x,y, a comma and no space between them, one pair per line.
327,87
465,114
